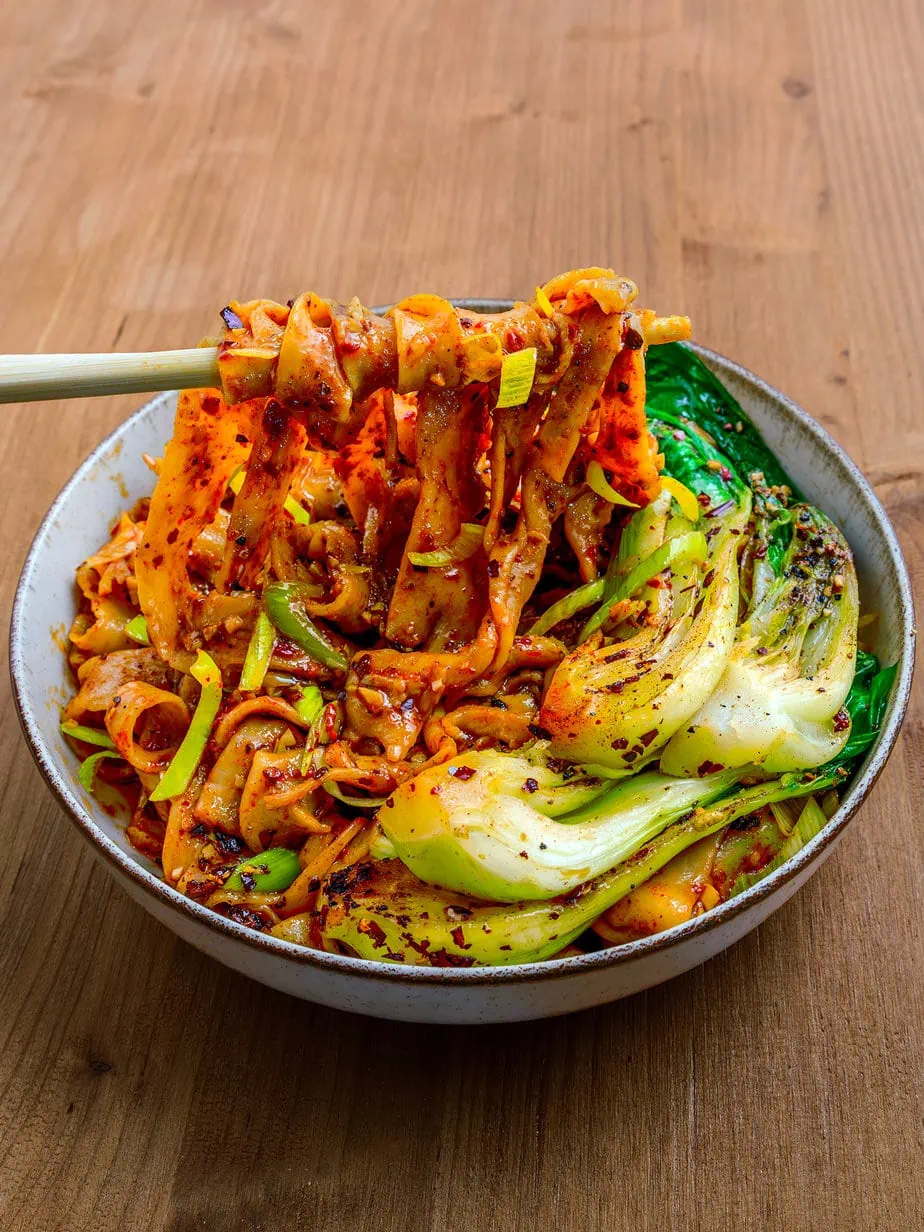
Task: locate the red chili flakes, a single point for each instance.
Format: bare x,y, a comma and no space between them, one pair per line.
841,720
648,736
530,785
709,767
620,743
463,772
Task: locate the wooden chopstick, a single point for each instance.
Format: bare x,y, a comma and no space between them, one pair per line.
32,378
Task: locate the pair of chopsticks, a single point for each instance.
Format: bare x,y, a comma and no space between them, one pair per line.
32,378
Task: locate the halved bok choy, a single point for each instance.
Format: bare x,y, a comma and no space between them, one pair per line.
509,827
659,642
381,910
780,702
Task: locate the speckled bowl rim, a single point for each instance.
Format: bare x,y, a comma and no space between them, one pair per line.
550,969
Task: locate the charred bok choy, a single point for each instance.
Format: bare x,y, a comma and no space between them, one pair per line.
780,701
513,826
382,910
658,643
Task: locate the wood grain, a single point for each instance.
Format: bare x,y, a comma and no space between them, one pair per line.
758,165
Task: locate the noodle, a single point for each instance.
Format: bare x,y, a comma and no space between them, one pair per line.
384,431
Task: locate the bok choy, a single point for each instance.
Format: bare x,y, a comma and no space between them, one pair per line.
381,910
510,826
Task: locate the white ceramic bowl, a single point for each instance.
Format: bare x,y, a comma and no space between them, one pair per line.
45,600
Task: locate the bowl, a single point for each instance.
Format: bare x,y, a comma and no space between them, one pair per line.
45,603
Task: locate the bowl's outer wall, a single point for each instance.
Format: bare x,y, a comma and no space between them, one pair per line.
116,476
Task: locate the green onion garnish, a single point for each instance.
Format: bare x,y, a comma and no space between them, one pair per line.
298,512
137,630
310,704
598,482
465,544
574,601
517,374
369,802
259,653
176,777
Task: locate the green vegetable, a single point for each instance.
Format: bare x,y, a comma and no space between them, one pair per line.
680,385
679,549
566,607
465,544
259,653
310,704
89,735
285,606
614,705
811,821
480,825
298,512
176,777
87,771
334,789
779,702
266,873
866,704
383,912
137,630
598,483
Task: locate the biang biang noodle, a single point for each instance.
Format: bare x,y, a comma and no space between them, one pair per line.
452,638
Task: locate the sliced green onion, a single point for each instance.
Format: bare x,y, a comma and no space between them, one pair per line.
87,771
598,482
259,653
465,544
137,630
176,777
299,513
811,821
783,816
89,735
271,870
689,505
310,704
369,802
584,596
689,546
284,605
517,374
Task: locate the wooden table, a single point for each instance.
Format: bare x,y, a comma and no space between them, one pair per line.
757,165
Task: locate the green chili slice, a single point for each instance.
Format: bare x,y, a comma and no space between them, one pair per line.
176,777
266,873
286,610
87,771
89,735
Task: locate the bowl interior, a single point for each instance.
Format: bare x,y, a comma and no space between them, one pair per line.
115,476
